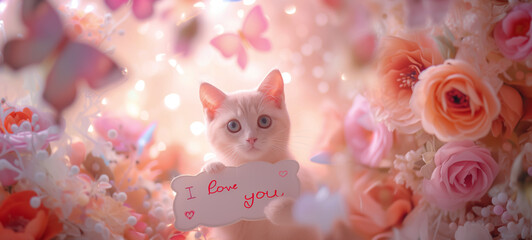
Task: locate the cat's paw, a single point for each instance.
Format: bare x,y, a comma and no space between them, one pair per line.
279,211
213,167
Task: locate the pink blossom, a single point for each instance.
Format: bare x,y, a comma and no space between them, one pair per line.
471,230
368,140
123,132
512,33
25,129
464,172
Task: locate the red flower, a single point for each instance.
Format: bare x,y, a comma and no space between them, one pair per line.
18,220
16,118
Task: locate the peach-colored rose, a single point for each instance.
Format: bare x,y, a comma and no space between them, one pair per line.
399,64
376,203
464,172
368,140
511,112
454,102
512,33
18,220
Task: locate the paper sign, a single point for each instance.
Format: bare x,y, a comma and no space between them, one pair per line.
235,193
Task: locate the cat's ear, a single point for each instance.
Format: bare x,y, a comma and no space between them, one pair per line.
211,98
273,87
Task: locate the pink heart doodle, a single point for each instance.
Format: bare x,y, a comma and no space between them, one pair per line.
283,173
189,214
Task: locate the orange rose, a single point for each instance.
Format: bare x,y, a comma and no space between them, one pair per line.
376,203
18,220
454,102
399,64
16,118
511,112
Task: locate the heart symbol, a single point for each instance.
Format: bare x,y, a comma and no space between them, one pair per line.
189,214
283,173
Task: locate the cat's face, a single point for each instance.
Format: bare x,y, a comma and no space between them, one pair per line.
248,125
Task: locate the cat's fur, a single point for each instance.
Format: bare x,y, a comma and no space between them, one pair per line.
252,143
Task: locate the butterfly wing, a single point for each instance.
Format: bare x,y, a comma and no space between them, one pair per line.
255,24
77,62
230,44
114,4
45,33
143,9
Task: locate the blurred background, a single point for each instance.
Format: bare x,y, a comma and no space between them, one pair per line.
318,46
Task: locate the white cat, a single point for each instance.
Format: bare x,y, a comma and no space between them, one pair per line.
253,126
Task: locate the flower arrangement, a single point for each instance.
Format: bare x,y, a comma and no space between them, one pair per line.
450,90
429,134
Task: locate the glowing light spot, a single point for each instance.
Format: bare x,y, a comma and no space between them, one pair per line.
240,13
139,86
74,4
89,8
91,128
208,156
199,5
104,101
287,78
217,6
179,69
172,62
291,9
219,29
172,101
159,57
144,116
343,77
249,2
197,128
323,87
3,6
159,34
132,109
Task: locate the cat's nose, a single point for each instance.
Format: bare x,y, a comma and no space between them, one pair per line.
251,140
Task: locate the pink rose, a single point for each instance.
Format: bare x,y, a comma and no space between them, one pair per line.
454,102
368,140
512,33
464,172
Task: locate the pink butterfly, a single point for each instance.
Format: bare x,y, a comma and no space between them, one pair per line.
142,9
254,26
70,61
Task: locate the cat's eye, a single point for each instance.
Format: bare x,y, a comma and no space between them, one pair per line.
233,126
264,121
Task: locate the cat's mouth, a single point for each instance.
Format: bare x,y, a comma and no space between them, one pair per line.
252,148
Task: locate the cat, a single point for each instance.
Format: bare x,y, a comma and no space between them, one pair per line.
247,126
